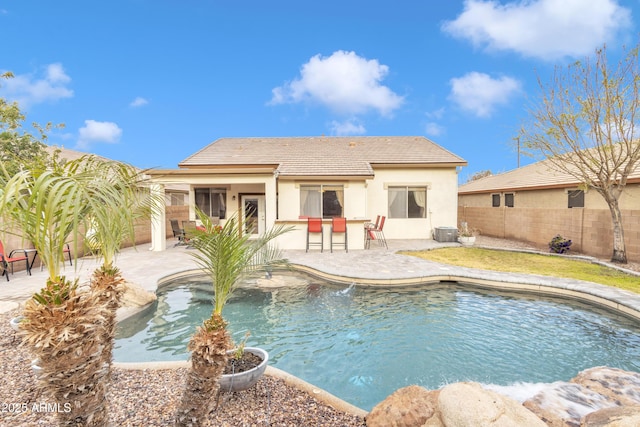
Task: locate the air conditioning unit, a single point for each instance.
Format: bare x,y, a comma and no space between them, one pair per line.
446,234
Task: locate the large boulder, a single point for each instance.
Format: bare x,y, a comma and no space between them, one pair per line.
468,404
135,296
623,387
620,416
407,407
563,404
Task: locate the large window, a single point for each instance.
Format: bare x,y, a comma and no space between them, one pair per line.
576,199
407,202
212,201
325,201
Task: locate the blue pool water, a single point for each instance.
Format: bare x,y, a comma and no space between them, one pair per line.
361,344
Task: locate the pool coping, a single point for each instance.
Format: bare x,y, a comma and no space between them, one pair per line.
618,300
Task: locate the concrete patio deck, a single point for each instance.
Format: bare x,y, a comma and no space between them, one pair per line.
377,266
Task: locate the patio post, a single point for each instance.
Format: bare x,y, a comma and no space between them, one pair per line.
158,220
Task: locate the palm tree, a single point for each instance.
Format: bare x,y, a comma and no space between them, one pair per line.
227,255
66,329
119,197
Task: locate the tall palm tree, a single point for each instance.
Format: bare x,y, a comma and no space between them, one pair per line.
66,328
227,255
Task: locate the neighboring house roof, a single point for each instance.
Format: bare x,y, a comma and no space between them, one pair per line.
535,176
66,153
71,155
326,156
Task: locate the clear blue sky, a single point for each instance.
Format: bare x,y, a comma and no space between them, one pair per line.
150,82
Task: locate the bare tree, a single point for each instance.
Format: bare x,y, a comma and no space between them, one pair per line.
585,125
479,175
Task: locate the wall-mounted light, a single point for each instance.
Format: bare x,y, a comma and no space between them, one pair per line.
233,197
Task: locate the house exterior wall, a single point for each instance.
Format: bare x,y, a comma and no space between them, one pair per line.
555,198
538,215
354,210
442,185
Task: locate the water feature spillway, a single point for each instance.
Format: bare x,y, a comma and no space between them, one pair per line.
361,344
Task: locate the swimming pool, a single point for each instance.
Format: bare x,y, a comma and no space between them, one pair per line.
361,344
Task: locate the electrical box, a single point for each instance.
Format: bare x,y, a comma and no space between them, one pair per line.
446,234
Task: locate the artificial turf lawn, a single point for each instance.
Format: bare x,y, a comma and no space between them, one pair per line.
518,262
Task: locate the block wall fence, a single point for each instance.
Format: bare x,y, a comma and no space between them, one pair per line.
13,240
589,229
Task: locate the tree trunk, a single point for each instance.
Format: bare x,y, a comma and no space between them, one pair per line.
208,347
619,249
63,330
106,285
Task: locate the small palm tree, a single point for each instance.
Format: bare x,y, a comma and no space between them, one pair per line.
118,197
227,254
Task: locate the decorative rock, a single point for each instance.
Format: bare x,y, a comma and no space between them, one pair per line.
620,386
469,405
620,416
562,404
280,281
135,296
407,407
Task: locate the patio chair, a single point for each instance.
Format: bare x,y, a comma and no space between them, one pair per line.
177,232
189,228
369,233
376,233
338,226
66,250
314,225
11,258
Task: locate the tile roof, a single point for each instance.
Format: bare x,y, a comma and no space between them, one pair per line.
322,155
534,176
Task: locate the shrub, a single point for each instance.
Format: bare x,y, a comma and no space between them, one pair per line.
559,244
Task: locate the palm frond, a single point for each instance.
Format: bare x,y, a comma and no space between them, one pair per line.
227,254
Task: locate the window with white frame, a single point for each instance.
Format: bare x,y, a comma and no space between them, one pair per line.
322,201
407,202
212,201
495,200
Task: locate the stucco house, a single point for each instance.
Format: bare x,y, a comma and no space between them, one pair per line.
536,202
409,179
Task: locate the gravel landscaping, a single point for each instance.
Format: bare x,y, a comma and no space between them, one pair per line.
149,397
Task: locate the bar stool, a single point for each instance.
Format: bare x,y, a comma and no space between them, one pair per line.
314,225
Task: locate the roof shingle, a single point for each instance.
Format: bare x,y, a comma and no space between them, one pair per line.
322,155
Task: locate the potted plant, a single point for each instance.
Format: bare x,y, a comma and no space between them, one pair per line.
15,322
244,368
466,234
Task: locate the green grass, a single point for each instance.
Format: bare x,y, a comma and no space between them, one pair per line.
518,262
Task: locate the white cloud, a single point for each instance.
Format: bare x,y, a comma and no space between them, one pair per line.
435,114
480,94
434,129
94,131
546,29
347,127
29,90
138,102
344,82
